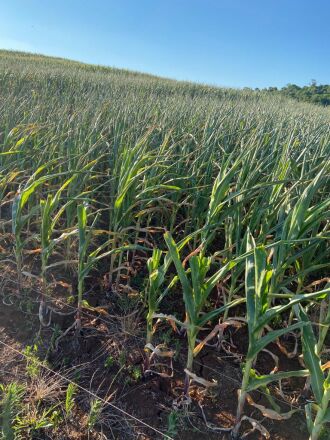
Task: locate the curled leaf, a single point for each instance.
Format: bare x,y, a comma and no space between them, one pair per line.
270,413
200,380
214,332
160,350
256,426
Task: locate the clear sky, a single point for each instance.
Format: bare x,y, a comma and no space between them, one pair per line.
255,43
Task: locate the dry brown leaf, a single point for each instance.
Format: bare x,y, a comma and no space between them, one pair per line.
310,286
326,366
214,332
255,426
160,350
270,413
200,380
32,251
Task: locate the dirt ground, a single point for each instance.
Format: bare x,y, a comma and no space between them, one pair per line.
107,357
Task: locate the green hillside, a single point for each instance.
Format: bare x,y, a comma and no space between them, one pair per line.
161,211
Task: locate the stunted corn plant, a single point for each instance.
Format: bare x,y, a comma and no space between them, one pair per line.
88,260
157,273
130,170
84,241
85,234
196,290
20,219
156,279
49,222
48,243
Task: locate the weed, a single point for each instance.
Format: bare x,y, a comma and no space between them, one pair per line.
94,413
69,398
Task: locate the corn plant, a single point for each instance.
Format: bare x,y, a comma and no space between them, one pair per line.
320,382
19,219
259,314
205,163
130,168
217,204
300,222
48,224
195,294
157,273
84,241
86,261
156,279
49,221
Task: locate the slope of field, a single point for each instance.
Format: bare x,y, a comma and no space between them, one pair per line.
133,200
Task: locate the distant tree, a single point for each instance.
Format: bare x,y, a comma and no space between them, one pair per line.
317,94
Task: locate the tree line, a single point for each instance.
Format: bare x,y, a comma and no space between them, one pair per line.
314,93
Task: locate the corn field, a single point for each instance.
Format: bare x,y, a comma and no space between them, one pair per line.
211,205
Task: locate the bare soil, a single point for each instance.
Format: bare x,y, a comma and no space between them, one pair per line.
107,357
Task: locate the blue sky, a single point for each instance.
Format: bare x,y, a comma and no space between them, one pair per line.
255,43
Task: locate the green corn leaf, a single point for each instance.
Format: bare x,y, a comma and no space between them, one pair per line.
216,312
82,224
214,279
311,359
199,266
187,289
94,257
264,380
29,190
156,279
299,298
260,344
250,280
260,259
314,215
309,417
220,189
301,207
326,418
7,153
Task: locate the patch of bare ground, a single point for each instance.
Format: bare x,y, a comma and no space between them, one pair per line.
108,359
